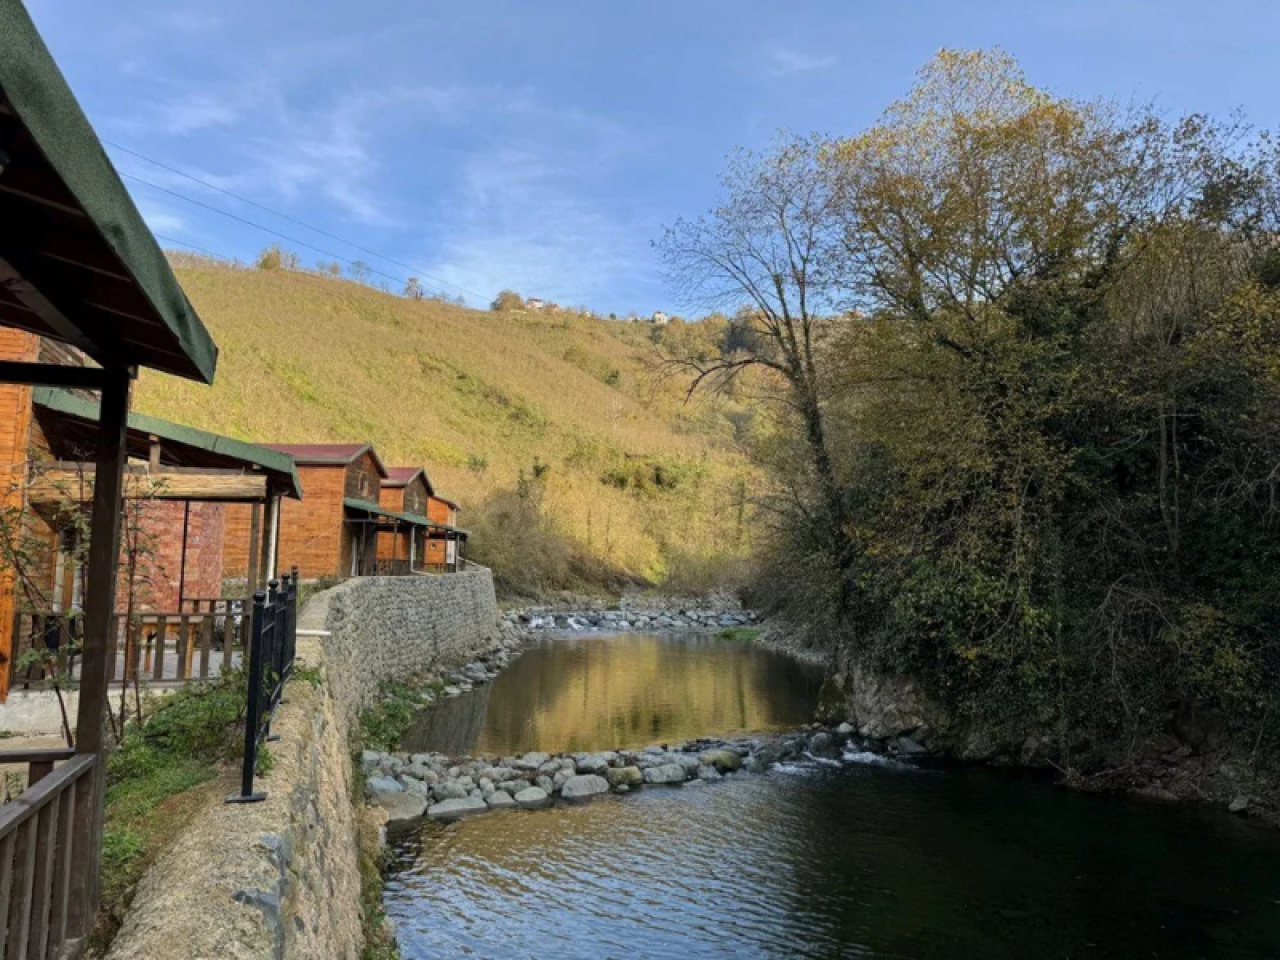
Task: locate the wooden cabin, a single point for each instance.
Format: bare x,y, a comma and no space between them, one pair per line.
77,266
333,530
178,484
417,529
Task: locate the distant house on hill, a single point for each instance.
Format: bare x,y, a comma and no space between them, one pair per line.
533,303
660,318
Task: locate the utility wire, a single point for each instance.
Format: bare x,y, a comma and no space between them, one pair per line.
282,216
258,226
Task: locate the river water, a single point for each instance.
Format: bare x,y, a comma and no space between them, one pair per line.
861,859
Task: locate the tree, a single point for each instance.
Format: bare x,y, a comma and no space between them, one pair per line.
360,271
769,244
413,289
507,300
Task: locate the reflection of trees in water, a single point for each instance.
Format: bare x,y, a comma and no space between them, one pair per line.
597,692
451,726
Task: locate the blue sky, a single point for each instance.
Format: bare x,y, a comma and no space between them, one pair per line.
542,146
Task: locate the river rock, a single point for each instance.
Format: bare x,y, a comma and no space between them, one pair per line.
545,783
909,748
708,772
452,809
723,760
822,743
624,777
594,763
665,773
531,797
532,761
584,785
500,799
845,729
402,807
377,785
449,790
1238,804
417,788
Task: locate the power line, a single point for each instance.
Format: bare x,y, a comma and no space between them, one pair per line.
258,226
282,216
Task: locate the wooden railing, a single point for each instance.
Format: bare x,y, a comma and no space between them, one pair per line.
45,857
156,647
386,567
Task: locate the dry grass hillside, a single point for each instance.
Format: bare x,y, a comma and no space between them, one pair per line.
529,420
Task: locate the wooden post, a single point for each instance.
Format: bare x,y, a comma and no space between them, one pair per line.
266,562
110,454
253,573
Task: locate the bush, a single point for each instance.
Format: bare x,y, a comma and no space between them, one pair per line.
507,300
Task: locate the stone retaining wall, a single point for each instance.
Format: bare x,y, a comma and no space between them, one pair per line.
280,878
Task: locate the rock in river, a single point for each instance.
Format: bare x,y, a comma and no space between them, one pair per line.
381,785
665,773
402,806
500,799
452,809
531,797
624,777
584,785
722,760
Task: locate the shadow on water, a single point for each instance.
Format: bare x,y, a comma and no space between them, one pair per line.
630,690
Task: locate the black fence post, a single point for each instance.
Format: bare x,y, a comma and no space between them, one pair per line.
253,704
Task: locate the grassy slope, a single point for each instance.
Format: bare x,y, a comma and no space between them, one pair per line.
475,396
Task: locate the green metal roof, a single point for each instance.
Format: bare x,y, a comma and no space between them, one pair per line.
279,466
67,169
368,506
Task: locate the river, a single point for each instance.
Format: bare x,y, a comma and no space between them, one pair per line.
864,858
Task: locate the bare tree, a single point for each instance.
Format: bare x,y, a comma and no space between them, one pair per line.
768,246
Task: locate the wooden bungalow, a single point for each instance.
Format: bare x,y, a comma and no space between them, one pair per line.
178,484
418,530
332,532
77,266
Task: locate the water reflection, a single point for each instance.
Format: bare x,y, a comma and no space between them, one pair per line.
864,861
630,690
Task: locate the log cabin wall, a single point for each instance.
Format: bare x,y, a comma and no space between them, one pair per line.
313,534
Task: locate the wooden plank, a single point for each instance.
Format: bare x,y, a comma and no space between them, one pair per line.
162,627
24,878
58,486
206,643
42,893
6,886
111,453
51,375
37,755
26,293
183,646
63,864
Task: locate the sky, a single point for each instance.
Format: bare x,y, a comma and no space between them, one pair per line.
542,146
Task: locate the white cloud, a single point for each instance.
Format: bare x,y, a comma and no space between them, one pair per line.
784,62
515,220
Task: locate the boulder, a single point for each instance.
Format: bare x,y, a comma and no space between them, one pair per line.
584,785
500,799
452,809
708,772
450,790
822,743
909,748
665,773
377,785
1238,804
624,777
531,797
723,760
402,807
593,763
532,761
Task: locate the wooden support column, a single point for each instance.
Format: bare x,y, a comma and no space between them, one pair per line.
273,538
267,562
110,454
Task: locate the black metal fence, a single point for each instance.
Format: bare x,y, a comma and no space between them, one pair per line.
273,637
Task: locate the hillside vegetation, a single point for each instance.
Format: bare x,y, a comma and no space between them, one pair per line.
573,464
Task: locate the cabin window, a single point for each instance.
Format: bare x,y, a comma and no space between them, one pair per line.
362,484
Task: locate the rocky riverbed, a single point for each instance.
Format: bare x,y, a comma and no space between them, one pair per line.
410,786
540,619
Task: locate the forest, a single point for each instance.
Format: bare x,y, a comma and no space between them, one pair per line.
1021,359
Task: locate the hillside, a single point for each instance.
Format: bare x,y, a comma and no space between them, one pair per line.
626,477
